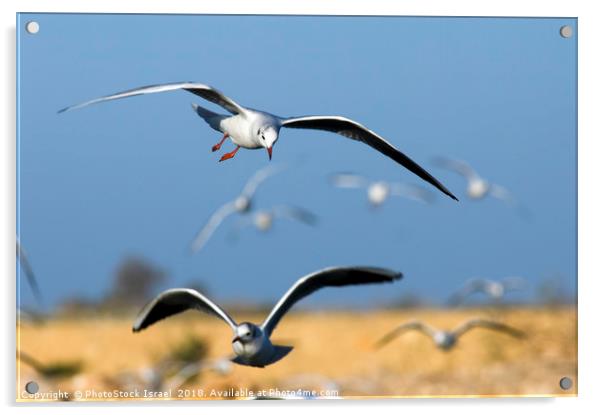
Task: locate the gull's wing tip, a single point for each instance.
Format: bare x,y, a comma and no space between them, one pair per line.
62,110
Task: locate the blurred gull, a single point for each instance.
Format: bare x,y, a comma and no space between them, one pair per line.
251,343
242,204
253,129
478,188
495,290
379,191
263,220
446,340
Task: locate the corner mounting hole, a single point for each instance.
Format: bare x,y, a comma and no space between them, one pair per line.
566,383
32,27
31,387
566,31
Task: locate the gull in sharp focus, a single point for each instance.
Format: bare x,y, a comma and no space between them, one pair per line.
379,191
242,204
253,129
495,290
251,343
447,339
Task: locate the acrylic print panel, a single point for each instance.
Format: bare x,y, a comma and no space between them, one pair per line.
124,201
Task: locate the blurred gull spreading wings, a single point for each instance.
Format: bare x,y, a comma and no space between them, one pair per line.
242,205
251,343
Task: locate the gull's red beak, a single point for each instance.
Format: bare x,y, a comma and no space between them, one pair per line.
236,339
270,152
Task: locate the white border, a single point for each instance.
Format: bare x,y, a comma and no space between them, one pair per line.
590,95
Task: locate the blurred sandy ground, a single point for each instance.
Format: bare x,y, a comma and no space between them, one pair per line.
333,349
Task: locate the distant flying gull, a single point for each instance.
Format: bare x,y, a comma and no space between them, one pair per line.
29,274
253,129
263,220
444,339
241,205
495,290
251,343
379,191
477,187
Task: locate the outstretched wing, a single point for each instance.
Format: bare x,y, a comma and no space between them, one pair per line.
412,191
488,324
259,176
175,301
475,285
457,166
295,213
348,180
411,325
214,221
202,90
351,129
29,274
329,277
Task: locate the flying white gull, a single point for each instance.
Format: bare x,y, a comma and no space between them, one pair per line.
379,191
444,339
253,129
477,187
495,290
263,220
242,204
251,343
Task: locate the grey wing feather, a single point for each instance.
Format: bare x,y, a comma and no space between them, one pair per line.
204,91
257,178
296,213
214,221
411,191
176,301
351,129
29,274
457,166
488,324
328,277
471,286
411,325
348,180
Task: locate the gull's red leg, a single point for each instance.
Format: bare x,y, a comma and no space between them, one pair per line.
229,155
219,145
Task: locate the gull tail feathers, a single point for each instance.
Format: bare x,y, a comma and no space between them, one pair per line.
210,117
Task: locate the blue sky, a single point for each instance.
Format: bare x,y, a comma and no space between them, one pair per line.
137,177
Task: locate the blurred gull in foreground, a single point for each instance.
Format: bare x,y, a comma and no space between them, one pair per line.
495,290
379,191
446,340
242,205
253,129
251,343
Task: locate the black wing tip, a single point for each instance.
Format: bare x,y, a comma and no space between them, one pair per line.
389,274
62,110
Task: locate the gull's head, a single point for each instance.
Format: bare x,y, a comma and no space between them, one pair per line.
242,204
378,193
477,188
268,135
246,333
444,340
263,221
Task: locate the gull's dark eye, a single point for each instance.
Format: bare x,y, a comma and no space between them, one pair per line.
258,132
